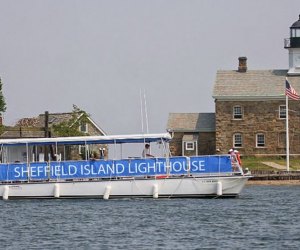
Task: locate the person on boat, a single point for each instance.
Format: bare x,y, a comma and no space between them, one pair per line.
102,150
233,158
232,155
238,157
146,151
93,156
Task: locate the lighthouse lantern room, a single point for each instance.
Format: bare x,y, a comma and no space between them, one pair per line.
293,45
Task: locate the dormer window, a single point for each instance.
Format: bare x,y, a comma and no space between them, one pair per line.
237,112
83,127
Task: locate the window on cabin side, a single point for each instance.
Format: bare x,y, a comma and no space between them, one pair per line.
237,112
260,140
237,140
282,112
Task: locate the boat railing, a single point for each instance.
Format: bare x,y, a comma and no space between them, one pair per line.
130,168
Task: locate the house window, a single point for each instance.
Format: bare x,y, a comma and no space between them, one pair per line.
237,140
83,127
83,149
282,112
237,112
80,150
260,140
189,146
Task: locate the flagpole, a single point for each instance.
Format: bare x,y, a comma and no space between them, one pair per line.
292,93
287,134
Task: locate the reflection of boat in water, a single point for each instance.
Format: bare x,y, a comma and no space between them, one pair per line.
168,177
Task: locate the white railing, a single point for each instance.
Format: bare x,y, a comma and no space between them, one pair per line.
287,42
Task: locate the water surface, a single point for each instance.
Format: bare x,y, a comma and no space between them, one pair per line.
263,217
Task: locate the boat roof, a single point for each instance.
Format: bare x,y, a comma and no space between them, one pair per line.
82,140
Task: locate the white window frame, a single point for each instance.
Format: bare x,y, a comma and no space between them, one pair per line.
85,126
84,150
238,143
260,144
238,113
189,145
80,149
282,112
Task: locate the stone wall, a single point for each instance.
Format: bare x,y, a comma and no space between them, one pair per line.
176,144
206,144
258,117
93,130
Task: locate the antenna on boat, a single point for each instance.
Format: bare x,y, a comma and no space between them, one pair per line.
144,113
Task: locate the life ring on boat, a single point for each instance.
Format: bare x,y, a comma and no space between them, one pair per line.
161,176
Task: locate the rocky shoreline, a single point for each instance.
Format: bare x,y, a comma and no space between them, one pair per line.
274,182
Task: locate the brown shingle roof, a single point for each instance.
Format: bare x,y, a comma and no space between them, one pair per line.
193,122
39,121
253,84
193,137
14,132
34,127
28,122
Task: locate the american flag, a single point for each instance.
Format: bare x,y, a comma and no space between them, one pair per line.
290,91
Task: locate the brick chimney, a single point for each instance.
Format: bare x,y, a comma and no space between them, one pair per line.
242,64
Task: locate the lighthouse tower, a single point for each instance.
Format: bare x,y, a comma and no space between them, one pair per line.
293,45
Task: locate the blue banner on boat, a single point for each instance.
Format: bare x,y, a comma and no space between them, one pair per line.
210,164
117,168
13,172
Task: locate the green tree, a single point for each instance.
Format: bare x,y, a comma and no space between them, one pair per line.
2,100
70,127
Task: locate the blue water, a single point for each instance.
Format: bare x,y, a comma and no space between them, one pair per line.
264,217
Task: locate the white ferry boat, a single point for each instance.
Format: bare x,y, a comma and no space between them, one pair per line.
25,172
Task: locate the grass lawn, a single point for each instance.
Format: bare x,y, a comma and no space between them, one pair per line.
255,163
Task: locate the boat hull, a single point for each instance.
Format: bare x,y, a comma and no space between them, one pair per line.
181,187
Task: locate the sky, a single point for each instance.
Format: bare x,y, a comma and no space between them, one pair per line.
101,55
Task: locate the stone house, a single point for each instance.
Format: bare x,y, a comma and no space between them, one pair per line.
250,106
37,126
42,126
193,133
250,111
